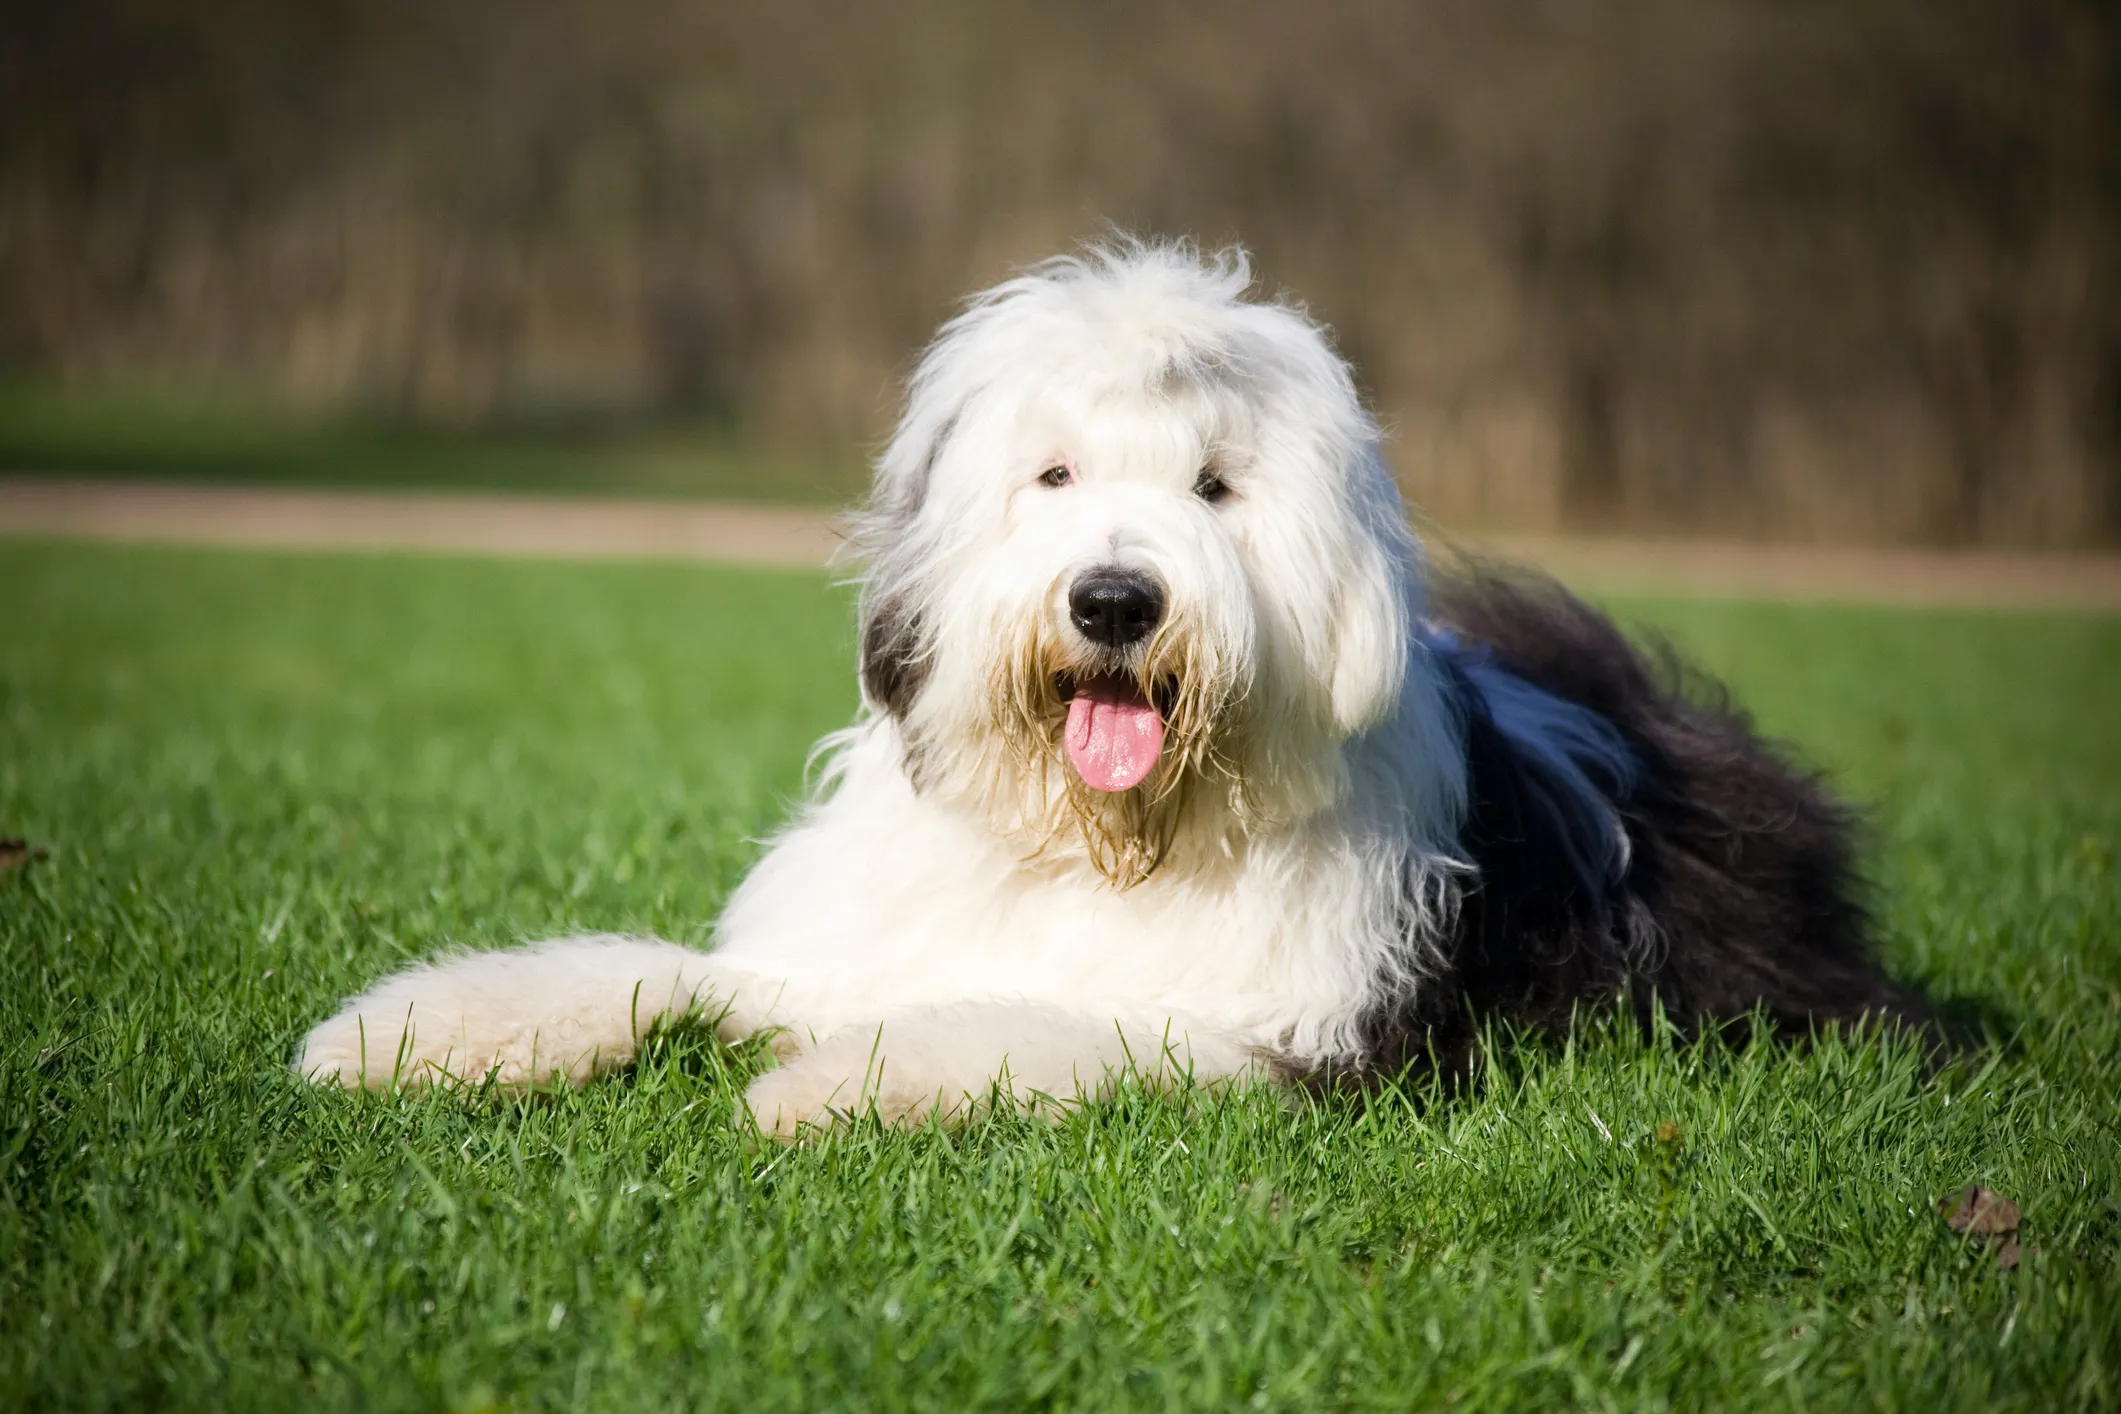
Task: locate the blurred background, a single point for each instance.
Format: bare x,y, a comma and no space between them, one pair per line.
1814,270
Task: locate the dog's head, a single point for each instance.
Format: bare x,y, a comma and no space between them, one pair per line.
1136,573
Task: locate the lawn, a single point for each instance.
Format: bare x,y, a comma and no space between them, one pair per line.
263,781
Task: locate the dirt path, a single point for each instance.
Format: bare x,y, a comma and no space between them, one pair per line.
1822,573
521,525
359,520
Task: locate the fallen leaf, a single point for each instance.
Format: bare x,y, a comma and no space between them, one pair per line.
19,853
1981,1212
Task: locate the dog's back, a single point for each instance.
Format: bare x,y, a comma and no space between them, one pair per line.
1724,881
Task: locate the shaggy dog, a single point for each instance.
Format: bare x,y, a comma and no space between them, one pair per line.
1175,761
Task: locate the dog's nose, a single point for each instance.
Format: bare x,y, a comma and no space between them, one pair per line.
1115,607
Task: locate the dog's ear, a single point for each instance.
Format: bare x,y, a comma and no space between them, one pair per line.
1375,598
894,651
894,633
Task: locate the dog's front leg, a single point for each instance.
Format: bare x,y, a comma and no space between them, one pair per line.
949,1061
563,1010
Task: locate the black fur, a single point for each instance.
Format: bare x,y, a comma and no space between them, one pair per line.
894,647
894,655
1738,890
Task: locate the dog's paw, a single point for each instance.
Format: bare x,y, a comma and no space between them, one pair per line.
362,1052
360,1049
796,1099
813,1093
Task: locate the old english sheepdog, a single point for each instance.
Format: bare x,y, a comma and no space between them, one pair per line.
1176,761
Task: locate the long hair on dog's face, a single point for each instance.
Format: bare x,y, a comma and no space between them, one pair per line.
1136,574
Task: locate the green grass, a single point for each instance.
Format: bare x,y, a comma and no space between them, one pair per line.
231,440
265,781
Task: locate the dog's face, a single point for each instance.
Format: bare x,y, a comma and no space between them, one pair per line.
1136,572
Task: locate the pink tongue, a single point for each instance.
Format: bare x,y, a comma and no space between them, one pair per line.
1113,736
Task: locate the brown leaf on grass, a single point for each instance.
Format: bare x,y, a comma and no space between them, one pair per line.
1984,1213
1980,1212
18,853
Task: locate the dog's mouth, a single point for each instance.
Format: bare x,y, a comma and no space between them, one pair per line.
1114,734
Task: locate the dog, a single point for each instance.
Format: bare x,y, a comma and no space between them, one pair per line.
1176,760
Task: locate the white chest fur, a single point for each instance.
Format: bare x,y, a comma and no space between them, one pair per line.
881,899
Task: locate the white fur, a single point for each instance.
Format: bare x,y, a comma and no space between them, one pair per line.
935,927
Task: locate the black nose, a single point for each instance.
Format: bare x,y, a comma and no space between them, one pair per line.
1115,607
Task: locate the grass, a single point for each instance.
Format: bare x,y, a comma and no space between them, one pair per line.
230,439
264,781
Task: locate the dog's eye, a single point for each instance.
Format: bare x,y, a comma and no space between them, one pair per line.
1055,476
1210,487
